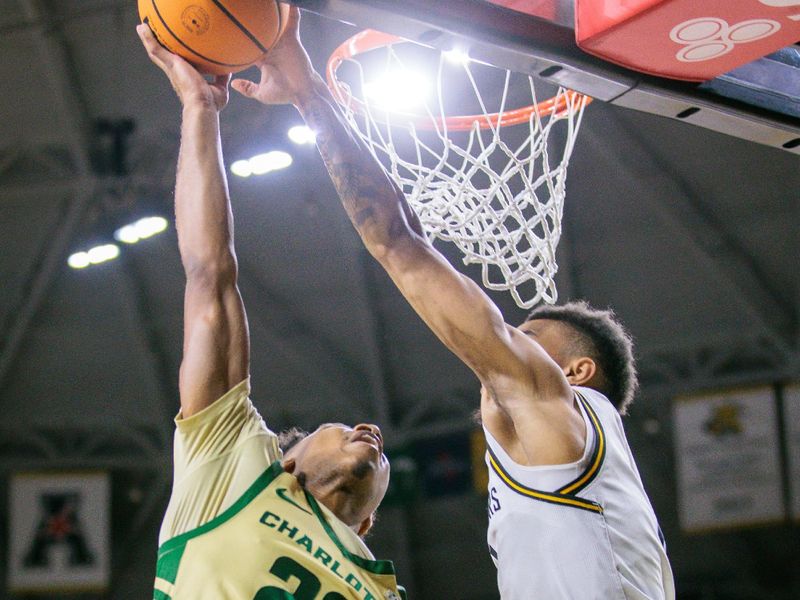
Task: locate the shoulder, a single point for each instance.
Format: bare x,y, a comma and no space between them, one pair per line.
235,399
597,400
229,424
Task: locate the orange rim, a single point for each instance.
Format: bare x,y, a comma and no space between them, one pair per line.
369,39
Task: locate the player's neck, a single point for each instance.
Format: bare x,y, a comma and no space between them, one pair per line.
341,502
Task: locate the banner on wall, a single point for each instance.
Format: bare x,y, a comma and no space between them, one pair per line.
791,420
728,459
59,539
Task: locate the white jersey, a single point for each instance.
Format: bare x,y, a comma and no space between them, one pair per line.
584,530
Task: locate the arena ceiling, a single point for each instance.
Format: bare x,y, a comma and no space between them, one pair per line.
690,236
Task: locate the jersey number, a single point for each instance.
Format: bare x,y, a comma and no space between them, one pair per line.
284,568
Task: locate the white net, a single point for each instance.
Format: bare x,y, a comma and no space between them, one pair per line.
494,189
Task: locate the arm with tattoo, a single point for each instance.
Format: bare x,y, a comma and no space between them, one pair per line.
376,206
452,305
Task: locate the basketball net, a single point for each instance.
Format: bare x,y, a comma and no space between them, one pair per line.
491,183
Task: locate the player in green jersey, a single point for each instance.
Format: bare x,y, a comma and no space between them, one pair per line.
244,520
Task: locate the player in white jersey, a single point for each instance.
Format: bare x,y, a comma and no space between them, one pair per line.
534,419
245,520
555,532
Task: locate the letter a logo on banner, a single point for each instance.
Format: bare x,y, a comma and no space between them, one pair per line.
59,524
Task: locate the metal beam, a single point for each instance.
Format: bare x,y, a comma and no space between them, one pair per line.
53,253
36,447
280,320
695,382
68,103
146,335
44,189
64,82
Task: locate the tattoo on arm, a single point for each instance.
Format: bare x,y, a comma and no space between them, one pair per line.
374,204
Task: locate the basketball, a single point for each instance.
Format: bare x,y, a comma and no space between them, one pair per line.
216,36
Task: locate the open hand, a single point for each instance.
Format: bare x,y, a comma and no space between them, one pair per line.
286,71
192,88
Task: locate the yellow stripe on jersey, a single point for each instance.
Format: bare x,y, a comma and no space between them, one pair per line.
565,495
598,454
553,497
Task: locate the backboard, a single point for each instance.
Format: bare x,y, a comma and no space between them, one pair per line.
757,100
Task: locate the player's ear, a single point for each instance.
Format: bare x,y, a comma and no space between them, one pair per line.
289,465
365,526
579,371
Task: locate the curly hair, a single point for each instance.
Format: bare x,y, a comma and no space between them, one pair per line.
601,337
288,438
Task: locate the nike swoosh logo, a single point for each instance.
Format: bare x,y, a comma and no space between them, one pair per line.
282,495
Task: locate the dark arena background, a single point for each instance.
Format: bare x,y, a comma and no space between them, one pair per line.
682,214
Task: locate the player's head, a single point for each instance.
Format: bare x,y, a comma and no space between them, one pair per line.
343,467
575,330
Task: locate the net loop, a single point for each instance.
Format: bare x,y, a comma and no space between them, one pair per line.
492,183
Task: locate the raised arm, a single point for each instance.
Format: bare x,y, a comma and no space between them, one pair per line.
216,343
453,306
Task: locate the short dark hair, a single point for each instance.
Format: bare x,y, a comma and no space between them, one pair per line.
601,337
288,438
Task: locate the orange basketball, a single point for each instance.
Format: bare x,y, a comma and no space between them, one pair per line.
217,36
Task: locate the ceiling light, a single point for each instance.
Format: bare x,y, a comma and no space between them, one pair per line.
456,56
79,260
242,168
262,163
302,134
150,226
93,256
397,90
141,229
271,161
101,254
127,234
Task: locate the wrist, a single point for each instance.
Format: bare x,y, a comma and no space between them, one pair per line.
199,107
311,90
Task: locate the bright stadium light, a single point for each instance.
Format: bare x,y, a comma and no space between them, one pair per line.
242,168
93,256
127,234
302,134
397,90
262,163
79,260
456,56
150,226
141,229
101,254
271,161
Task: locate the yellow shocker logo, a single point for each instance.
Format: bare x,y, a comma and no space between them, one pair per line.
725,420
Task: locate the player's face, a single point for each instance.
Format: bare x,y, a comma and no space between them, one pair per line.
352,455
550,335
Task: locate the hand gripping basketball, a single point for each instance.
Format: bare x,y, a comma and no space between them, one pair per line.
190,86
286,71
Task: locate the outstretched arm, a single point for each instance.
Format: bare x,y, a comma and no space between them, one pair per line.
216,343
518,375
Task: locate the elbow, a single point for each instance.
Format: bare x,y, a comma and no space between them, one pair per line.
216,271
399,252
